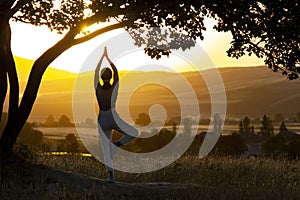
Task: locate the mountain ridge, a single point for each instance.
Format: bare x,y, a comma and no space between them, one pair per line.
251,91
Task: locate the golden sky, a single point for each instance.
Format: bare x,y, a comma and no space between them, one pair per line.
30,42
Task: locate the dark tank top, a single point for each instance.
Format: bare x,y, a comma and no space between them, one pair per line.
107,98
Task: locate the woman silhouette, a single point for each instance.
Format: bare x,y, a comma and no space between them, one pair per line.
108,118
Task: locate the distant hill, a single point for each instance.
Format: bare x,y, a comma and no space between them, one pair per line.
24,66
251,91
257,90
55,93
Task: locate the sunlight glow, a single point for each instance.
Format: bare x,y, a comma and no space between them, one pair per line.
30,42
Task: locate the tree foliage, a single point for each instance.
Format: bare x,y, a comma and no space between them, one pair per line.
143,119
282,127
50,122
69,144
244,125
267,128
64,121
268,29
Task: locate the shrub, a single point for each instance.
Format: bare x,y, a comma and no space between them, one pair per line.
274,145
230,145
293,149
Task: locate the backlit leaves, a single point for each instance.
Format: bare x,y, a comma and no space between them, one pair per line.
268,29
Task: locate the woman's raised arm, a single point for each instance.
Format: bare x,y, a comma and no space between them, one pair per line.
96,76
114,68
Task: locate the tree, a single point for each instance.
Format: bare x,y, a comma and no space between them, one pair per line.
3,122
65,121
282,127
174,127
90,123
50,122
244,125
267,128
241,127
143,119
267,29
69,144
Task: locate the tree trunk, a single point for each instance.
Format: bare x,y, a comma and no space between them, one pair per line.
8,68
17,120
3,71
3,85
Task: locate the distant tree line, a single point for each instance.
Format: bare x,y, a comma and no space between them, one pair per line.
235,144
284,142
277,118
63,121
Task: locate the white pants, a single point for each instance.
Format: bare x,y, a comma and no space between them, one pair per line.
107,121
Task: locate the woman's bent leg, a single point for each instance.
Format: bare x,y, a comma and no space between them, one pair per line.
126,129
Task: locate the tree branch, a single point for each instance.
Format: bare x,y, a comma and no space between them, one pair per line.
20,20
89,21
99,32
267,54
17,6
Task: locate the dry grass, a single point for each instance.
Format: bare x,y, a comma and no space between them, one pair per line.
209,178
236,178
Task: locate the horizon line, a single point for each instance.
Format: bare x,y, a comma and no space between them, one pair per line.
166,71
145,71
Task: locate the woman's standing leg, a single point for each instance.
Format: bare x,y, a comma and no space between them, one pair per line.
105,135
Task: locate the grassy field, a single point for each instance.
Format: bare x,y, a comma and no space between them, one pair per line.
209,178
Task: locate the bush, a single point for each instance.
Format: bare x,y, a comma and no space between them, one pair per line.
230,145
274,145
30,136
143,119
69,144
293,149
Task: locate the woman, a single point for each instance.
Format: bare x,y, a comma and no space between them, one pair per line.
108,118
